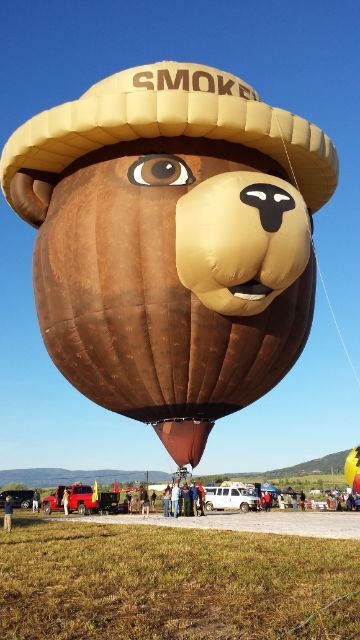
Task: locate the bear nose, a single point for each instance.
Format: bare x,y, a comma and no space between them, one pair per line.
271,201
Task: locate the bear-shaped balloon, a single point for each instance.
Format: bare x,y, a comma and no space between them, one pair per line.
173,268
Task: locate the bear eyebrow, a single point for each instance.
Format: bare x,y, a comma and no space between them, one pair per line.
166,154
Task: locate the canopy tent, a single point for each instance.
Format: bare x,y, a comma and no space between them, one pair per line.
269,487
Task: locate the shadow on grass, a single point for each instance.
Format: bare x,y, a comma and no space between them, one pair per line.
8,538
23,523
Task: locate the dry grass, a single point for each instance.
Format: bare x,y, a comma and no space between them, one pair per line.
72,581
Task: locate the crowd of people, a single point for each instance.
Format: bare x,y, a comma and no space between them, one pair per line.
338,501
294,500
335,501
187,500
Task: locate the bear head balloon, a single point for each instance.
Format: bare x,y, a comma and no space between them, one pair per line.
173,269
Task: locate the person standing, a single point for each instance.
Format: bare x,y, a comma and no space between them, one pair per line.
267,501
146,505
186,494
145,502
133,503
350,503
166,497
65,501
294,501
175,497
194,499
302,501
340,501
128,502
281,501
8,511
153,500
36,500
201,492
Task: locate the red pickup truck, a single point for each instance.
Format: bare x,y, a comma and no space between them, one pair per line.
80,499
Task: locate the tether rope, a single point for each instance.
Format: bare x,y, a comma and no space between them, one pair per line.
338,330
301,626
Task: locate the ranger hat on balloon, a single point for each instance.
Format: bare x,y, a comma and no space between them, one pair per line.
171,99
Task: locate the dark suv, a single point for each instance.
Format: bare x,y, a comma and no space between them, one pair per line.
21,497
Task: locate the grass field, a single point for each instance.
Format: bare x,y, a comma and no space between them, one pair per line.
73,580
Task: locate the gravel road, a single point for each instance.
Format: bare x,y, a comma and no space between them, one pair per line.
318,525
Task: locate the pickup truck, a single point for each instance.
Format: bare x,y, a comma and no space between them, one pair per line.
230,498
80,500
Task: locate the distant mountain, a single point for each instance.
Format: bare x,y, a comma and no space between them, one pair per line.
52,477
332,463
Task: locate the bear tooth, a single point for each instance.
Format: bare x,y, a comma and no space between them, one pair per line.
249,296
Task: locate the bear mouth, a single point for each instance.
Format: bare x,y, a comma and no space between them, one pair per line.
250,290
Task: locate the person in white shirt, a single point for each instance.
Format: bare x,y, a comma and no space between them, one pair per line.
175,497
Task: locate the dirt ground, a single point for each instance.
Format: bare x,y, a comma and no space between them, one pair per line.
314,524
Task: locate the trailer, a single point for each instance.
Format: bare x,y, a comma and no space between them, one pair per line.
109,502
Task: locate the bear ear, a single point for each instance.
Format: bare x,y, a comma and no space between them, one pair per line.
30,192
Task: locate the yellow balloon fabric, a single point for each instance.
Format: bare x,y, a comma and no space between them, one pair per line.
352,468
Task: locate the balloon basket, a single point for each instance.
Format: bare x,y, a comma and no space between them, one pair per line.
182,475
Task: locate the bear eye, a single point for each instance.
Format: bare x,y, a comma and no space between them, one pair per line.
160,170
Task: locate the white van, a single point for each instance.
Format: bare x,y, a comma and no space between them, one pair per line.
230,498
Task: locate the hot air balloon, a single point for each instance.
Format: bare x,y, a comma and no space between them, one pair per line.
352,469
173,268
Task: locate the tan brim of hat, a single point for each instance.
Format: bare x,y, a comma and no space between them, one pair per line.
52,140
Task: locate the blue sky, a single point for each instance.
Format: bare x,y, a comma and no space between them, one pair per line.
303,57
